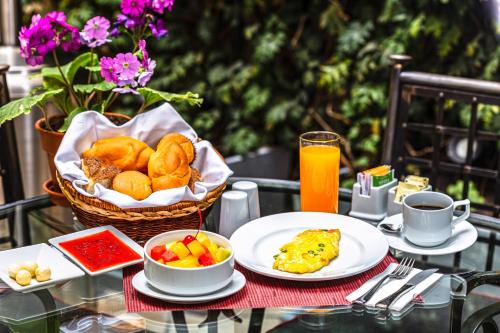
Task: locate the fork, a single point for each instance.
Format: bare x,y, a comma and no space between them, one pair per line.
400,272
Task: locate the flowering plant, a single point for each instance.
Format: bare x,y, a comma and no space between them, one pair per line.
107,77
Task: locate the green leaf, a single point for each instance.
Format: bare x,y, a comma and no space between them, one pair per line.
24,105
89,88
152,96
70,69
69,118
93,68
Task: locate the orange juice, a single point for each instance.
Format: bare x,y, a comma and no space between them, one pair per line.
319,178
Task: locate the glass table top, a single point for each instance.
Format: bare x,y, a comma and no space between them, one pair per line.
96,304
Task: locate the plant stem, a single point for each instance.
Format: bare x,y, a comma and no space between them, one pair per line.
142,108
75,100
89,78
46,118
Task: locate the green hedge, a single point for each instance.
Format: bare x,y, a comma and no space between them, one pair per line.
271,69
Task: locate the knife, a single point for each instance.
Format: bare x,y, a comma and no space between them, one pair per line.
419,277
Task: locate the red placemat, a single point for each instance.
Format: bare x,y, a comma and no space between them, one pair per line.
259,292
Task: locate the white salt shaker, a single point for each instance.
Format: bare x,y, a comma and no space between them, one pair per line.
251,189
233,212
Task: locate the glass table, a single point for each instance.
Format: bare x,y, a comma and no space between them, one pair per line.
96,304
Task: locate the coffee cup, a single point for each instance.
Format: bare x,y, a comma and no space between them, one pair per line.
428,218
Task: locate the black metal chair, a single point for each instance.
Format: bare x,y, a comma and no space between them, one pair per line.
405,88
10,169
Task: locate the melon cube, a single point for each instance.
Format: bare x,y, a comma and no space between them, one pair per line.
222,254
196,248
203,239
180,250
188,262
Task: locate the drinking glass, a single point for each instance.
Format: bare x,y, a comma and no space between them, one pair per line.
319,171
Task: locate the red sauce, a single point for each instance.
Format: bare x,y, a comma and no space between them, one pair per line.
100,250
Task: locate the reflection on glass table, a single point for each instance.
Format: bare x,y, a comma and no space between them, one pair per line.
92,304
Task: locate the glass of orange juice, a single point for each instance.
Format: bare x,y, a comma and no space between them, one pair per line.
319,171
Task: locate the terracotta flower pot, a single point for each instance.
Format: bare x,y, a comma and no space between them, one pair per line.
50,141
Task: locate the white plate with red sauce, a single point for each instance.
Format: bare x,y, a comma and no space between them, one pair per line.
99,250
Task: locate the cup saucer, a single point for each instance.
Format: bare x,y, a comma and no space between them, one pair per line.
463,236
140,284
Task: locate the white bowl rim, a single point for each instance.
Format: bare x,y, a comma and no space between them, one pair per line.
146,254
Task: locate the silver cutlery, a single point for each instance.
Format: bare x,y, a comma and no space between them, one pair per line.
419,277
400,272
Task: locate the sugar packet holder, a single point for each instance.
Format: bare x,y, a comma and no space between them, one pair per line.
372,206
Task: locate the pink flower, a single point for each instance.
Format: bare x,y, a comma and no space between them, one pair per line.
148,65
95,32
69,38
37,41
127,66
56,17
160,5
108,69
133,8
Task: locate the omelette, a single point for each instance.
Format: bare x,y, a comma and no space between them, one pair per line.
309,251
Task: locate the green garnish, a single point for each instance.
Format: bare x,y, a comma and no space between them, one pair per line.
275,256
321,245
310,251
284,251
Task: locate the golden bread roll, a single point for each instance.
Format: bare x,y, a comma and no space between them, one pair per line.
181,140
124,152
170,181
98,172
171,159
169,167
133,183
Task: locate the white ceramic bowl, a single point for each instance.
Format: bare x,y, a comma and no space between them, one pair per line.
187,281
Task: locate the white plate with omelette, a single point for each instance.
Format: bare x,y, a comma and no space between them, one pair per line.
308,246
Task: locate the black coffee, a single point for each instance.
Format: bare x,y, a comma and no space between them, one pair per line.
427,207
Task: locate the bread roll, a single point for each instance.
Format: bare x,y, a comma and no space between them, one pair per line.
133,183
98,172
169,167
182,141
170,181
124,152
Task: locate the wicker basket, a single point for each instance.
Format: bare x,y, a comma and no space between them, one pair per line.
140,224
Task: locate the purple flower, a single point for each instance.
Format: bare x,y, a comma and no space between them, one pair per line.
108,69
148,65
37,41
127,66
160,5
125,90
158,28
56,17
69,39
95,32
133,8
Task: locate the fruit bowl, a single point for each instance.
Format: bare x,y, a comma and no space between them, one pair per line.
178,275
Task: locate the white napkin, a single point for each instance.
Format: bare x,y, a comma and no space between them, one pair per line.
391,286
150,127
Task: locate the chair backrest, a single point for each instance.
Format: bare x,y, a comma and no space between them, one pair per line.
405,88
10,168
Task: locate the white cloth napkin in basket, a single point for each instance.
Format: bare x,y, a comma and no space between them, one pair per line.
150,127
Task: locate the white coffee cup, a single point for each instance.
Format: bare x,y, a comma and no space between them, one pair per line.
251,189
233,212
430,227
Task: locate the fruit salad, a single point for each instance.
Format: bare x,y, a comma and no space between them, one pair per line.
191,252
